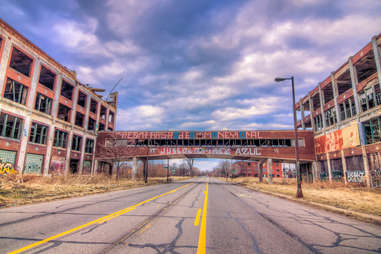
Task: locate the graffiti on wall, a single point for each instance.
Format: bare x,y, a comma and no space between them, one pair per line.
355,176
57,166
7,168
337,140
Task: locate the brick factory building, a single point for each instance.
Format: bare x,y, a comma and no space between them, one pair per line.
48,119
344,111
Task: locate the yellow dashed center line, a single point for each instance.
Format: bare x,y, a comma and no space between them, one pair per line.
202,237
197,219
99,221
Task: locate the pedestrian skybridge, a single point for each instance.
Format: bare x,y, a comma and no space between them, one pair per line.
240,145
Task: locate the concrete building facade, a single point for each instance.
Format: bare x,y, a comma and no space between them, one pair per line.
344,111
48,119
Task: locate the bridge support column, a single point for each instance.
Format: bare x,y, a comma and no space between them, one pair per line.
145,170
134,168
260,171
270,170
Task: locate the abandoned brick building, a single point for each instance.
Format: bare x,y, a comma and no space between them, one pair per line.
48,119
344,111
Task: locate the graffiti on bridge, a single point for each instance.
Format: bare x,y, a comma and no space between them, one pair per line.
7,168
356,176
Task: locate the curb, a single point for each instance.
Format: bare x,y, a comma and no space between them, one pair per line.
356,215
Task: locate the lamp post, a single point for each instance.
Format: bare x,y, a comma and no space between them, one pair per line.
299,193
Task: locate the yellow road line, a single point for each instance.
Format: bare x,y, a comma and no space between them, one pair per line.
202,237
99,220
197,219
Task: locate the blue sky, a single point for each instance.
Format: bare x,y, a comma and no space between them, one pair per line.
200,64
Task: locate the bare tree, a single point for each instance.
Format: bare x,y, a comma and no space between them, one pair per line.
190,162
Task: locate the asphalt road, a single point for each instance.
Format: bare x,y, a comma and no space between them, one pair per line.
203,215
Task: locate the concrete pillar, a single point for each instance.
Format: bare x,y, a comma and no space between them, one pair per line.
329,168
83,145
87,111
134,168
74,108
68,152
270,170
4,61
49,146
354,81
377,57
321,96
335,95
24,142
56,96
302,114
260,174
94,166
344,164
33,85
315,174
368,177
311,110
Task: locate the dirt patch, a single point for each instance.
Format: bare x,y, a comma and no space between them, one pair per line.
355,198
34,189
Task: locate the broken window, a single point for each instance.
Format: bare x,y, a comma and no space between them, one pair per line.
93,106
318,121
328,93
10,126
366,66
372,130
79,119
111,117
367,99
330,117
38,133
60,138
101,127
15,91
43,104
63,113
76,144
81,99
316,101
91,124
67,90
110,129
89,146
47,78
21,62
344,82
103,112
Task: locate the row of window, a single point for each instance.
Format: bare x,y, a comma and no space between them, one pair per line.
17,92
10,127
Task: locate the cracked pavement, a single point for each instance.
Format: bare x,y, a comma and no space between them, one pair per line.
238,220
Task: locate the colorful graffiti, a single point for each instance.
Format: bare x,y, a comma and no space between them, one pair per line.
7,168
190,135
337,140
355,176
205,150
57,165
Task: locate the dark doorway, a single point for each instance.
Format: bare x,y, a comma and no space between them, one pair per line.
74,163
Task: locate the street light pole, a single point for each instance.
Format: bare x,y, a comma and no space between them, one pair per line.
299,193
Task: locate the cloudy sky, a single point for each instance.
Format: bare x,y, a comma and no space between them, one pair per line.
199,64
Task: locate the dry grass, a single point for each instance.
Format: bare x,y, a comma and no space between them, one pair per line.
35,189
353,197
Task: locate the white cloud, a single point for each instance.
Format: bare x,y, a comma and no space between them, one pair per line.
259,106
140,117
